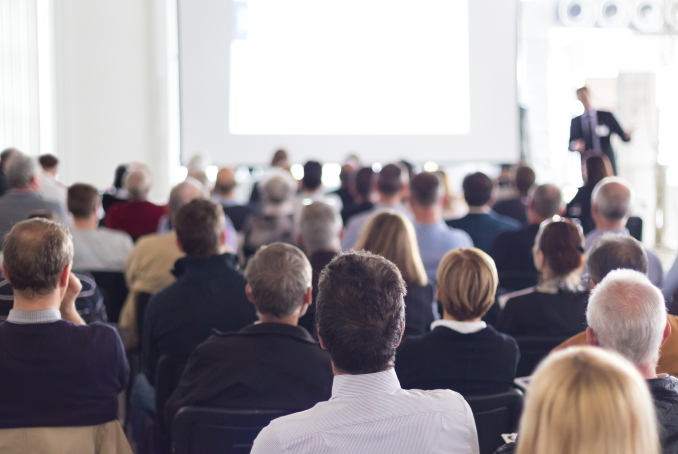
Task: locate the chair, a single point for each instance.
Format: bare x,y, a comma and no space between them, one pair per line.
114,288
495,415
168,371
198,430
533,350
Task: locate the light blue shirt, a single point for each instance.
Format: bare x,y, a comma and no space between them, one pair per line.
355,225
436,240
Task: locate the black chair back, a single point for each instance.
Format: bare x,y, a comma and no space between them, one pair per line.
114,288
142,304
198,430
533,350
168,371
495,415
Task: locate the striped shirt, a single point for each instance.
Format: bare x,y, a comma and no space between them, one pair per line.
371,414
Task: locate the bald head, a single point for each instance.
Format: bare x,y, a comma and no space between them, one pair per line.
612,200
138,184
225,183
545,202
183,193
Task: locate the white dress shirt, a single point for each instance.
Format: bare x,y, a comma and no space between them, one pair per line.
101,249
371,414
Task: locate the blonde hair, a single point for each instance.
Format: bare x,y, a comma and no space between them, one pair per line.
391,235
467,283
587,400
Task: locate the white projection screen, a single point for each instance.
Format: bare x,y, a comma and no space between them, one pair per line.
425,80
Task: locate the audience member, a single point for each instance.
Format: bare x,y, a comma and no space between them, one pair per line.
627,314
116,193
461,352
556,307
55,371
360,323
515,207
320,235
50,188
512,250
671,282
273,364
580,206
611,206
23,177
4,160
391,186
481,223
344,191
391,235
138,216
95,248
223,195
276,222
434,237
361,188
280,160
313,190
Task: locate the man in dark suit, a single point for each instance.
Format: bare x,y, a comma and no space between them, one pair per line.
223,195
516,207
273,364
590,132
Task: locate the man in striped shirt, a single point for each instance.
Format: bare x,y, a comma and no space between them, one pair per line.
361,316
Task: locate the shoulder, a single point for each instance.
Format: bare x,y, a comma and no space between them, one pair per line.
507,222
98,333
518,297
501,338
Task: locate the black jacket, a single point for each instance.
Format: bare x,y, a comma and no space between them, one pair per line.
319,261
265,366
512,253
238,214
512,208
209,294
603,119
419,302
580,208
665,396
477,363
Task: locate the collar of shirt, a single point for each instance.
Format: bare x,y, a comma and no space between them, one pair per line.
589,113
460,327
33,317
227,201
352,385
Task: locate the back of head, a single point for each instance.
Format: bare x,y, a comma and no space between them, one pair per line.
138,184
200,225
345,175
467,282
82,200
279,275
425,189
587,400
35,253
225,183
42,214
48,161
320,225
21,170
280,159
276,190
628,315
615,251
6,154
562,244
391,235
477,189
313,174
613,198
360,311
363,182
546,200
184,192
391,179
596,170
119,178
525,178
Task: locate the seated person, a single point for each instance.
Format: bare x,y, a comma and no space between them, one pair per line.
481,223
224,188
461,352
360,186
391,235
516,207
95,248
51,189
55,371
273,364
360,323
580,206
557,306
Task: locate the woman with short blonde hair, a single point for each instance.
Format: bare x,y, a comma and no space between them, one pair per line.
588,400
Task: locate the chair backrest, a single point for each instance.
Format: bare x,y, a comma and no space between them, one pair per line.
533,350
114,288
198,430
495,415
635,226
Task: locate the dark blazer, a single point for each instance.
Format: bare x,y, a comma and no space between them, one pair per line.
512,253
348,212
319,261
580,208
263,366
483,362
4,185
209,294
238,214
483,228
512,208
665,397
419,302
603,118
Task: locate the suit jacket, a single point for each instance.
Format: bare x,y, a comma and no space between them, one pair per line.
580,208
483,228
577,131
419,302
263,366
512,208
512,253
319,261
238,214
15,208
4,186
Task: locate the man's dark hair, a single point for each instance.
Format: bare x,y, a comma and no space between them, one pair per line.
525,178
6,154
615,251
363,182
36,252
425,189
119,175
82,200
477,189
313,174
199,225
360,311
596,170
48,161
390,179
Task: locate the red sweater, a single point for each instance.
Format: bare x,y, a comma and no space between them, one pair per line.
135,218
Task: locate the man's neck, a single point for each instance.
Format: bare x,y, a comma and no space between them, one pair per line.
648,371
605,224
389,200
479,210
335,248
292,320
228,195
90,223
534,219
447,316
427,216
51,301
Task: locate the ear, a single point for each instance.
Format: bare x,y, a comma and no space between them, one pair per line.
181,248
437,293
342,232
444,200
223,238
248,292
65,275
591,337
308,296
538,259
401,335
4,271
667,332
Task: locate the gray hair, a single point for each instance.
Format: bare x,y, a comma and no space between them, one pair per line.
613,198
138,183
183,193
278,275
320,225
628,315
21,169
614,251
276,190
547,200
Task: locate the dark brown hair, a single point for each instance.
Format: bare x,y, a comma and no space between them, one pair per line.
562,244
425,189
199,225
82,200
477,189
48,161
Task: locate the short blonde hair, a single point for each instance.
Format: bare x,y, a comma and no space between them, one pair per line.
391,235
467,283
589,401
